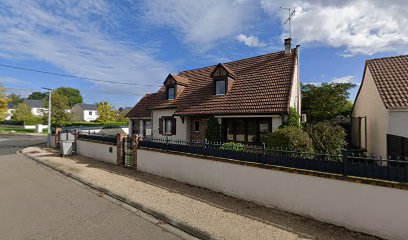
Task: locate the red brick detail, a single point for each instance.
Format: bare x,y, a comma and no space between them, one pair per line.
120,138
200,135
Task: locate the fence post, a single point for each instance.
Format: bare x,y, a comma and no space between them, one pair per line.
75,141
264,153
119,145
344,159
135,143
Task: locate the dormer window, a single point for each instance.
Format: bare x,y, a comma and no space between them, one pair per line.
175,85
223,79
220,87
171,93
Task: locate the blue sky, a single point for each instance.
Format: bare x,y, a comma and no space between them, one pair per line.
140,42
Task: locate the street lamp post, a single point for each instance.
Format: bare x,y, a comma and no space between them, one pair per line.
49,116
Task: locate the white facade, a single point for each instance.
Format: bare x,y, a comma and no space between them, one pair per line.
181,128
377,210
380,120
78,113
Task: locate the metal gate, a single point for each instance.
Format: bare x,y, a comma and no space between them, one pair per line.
127,151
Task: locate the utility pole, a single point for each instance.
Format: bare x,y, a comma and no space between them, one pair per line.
49,116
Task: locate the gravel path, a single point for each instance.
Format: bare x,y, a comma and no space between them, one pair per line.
217,214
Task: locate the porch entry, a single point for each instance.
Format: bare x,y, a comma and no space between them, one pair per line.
245,130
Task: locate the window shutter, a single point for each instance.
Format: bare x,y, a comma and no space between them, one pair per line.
173,126
161,125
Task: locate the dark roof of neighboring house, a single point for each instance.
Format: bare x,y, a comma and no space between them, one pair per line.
12,105
34,103
391,78
86,106
263,85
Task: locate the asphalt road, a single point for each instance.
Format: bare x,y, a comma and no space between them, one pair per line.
38,203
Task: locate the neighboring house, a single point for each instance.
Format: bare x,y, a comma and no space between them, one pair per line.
84,112
248,97
11,108
37,108
380,112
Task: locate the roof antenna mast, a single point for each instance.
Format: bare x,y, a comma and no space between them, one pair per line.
291,14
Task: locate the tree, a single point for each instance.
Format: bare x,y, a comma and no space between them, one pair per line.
38,95
14,98
327,137
59,107
289,138
326,101
23,113
73,95
3,103
212,132
105,112
293,119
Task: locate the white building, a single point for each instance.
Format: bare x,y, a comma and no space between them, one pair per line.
84,112
380,112
37,108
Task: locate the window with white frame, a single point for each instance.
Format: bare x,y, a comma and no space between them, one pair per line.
90,113
171,93
167,126
220,87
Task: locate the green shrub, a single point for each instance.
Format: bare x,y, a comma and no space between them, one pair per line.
93,124
290,138
11,122
237,147
212,132
327,137
293,119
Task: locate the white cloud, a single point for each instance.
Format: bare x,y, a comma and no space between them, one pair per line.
250,41
67,35
345,79
202,24
360,26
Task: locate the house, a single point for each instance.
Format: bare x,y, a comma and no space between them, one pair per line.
84,112
248,97
380,112
37,108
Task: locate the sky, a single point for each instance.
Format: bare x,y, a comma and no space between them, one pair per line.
141,42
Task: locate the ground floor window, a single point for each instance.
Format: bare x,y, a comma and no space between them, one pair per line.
196,126
147,128
397,147
135,126
247,130
167,126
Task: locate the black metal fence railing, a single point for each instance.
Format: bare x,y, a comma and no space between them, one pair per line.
110,139
347,164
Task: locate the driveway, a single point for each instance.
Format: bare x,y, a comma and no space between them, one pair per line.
38,203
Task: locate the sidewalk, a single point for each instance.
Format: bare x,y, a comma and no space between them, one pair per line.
215,215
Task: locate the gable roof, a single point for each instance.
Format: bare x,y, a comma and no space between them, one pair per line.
86,106
229,71
262,86
179,79
34,103
391,78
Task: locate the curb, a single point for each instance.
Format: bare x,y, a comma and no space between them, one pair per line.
159,215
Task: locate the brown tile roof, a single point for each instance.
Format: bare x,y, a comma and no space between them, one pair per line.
262,86
391,78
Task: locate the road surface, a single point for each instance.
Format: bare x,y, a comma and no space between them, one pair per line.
39,203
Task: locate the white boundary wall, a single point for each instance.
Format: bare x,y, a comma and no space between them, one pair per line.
367,208
98,151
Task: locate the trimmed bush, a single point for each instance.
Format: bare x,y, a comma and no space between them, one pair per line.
232,146
327,137
290,138
93,124
212,133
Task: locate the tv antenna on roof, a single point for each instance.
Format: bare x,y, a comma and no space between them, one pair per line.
291,14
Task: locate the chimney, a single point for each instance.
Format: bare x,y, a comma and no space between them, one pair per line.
288,43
